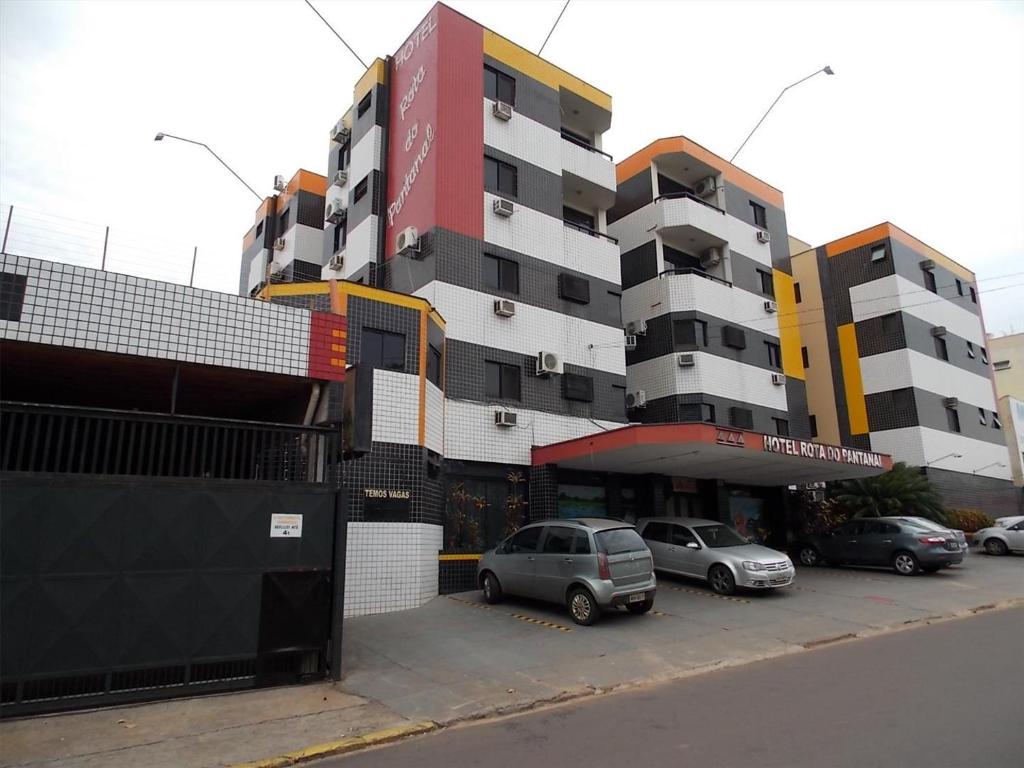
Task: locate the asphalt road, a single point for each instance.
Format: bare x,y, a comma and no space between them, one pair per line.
940,696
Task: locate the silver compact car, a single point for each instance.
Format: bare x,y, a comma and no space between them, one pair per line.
1007,535
715,552
589,564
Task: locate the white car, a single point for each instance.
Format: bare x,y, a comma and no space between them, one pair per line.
1007,535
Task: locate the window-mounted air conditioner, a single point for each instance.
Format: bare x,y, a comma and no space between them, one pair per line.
778,379
636,328
280,185
687,360
340,133
505,418
279,244
340,178
503,207
630,342
770,305
763,236
337,262
502,111
504,308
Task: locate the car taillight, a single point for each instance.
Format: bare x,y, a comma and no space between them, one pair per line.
603,570
932,540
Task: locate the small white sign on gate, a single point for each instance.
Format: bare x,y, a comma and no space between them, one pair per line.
286,526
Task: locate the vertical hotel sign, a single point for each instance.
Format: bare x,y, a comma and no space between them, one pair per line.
412,133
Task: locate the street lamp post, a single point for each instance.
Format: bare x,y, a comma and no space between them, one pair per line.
162,136
826,69
993,464
936,461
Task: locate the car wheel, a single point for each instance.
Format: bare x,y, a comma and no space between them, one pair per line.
905,564
809,556
582,607
995,546
721,580
638,608
492,588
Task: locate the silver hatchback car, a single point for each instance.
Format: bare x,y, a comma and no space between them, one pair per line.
587,564
706,549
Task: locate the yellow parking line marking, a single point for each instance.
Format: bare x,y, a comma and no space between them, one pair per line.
521,617
705,594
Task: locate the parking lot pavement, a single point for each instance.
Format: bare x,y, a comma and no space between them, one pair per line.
457,657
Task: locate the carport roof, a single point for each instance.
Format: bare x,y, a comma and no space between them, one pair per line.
704,451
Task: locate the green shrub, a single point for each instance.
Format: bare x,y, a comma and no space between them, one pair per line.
968,520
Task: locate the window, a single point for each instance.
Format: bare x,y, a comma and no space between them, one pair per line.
360,190
580,543
338,229
774,354
383,349
734,337
578,218
1001,365
578,387
891,323
689,333
803,356
982,417
344,155
525,540
707,413
680,536
498,86
781,427
940,348
796,292
903,400
760,217
501,380
741,417
434,365
558,541
500,177
970,350
259,229
996,421
813,422
12,296
929,280
501,274
656,532
984,355
364,104
767,285
282,225
878,253
974,295
953,419
574,288
959,287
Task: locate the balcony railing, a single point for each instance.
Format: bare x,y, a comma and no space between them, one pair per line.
591,147
688,196
698,272
589,231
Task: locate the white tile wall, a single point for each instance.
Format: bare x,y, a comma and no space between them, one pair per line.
741,236
470,432
303,243
662,376
75,306
257,269
396,407
390,566
470,317
545,237
524,138
360,247
435,404
910,368
895,293
919,445
365,156
592,166
636,228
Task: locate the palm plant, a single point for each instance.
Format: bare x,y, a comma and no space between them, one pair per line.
902,490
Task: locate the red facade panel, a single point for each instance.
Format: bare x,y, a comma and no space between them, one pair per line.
327,345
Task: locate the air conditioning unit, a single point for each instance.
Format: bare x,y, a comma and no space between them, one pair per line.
707,187
926,264
548,362
340,178
636,328
334,212
712,257
502,111
778,379
687,360
630,342
407,242
503,207
275,268
504,308
279,244
340,133
950,402
337,262
763,236
280,185
505,418
637,399
770,305
939,330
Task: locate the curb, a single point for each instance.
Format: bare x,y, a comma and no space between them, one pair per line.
342,746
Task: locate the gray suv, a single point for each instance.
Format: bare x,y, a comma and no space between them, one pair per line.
589,564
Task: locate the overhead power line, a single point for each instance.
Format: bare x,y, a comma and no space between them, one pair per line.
325,21
552,28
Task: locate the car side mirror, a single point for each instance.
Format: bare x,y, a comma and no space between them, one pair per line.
692,545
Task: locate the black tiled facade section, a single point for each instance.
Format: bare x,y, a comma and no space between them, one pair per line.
796,403
456,576
365,313
533,99
304,271
319,302
962,490
639,264
393,466
12,295
369,204
464,378
831,313
632,195
848,269
873,338
377,114
884,411
536,188
682,408
309,209
543,493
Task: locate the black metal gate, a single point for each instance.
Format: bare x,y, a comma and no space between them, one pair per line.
127,588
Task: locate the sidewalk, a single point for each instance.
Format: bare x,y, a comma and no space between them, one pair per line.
457,659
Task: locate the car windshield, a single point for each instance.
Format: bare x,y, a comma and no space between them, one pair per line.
617,540
716,536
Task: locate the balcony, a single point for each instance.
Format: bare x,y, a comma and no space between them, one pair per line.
685,290
588,174
591,252
688,223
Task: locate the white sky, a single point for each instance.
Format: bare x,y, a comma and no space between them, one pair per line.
923,124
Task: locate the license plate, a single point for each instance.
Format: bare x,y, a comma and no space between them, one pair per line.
637,598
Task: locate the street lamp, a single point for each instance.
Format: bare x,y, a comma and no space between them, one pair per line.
826,69
936,461
162,136
993,464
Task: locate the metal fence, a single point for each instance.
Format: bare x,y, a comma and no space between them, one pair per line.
48,438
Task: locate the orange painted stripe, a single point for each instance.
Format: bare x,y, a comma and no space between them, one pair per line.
887,229
641,161
857,239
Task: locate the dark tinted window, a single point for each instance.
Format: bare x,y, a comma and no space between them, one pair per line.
580,543
941,351
498,86
525,541
12,295
364,104
781,427
360,190
434,365
760,217
689,333
500,177
813,423
578,387
734,337
851,528
953,419
559,540
383,349
656,532
501,380
579,218
574,288
929,281
282,223
878,527
767,286
716,536
500,274
804,357
618,540
681,536
796,292
891,323
774,354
